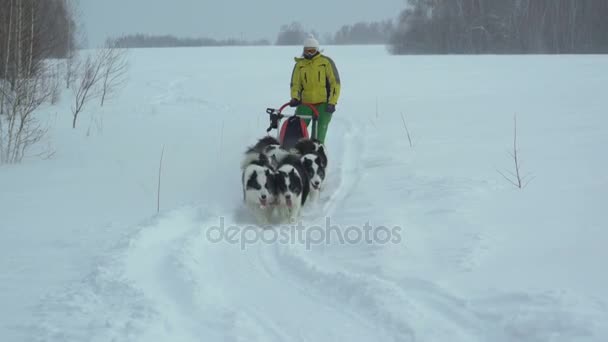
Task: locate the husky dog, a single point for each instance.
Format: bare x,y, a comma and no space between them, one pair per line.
314,159
305,146
259,186
293,186
313,165
271,147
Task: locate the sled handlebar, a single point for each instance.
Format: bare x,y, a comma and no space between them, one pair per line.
315,112
277,114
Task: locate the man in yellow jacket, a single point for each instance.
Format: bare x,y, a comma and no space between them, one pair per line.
315,80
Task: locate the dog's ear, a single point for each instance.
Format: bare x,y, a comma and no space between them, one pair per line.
252,182
295,182
322,155
280,184
271,182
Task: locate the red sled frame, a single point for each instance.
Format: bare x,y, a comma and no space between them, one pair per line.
276,115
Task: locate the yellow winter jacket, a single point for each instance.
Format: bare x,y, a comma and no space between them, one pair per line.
315,80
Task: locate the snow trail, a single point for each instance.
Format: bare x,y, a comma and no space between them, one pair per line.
170,279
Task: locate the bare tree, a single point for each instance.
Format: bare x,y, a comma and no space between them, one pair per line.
30,33
26,84
69,69
292,34
19,128
114,69
85,86
100,74
8,53
70,58
19,38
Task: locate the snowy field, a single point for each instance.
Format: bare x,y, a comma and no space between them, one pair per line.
85,257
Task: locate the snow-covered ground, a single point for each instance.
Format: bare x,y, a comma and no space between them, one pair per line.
85,257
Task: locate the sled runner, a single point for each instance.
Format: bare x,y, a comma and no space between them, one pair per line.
294,128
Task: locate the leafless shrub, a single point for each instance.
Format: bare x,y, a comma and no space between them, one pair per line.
70,70
74,34
114,69
19,128
99,75
515,177
55,91
53,74
31,32
85,86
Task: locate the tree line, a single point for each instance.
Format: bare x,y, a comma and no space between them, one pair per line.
378,32
141,40
502,26
357,33
289,34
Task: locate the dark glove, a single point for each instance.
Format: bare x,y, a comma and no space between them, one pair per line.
274,122
331,108
294,103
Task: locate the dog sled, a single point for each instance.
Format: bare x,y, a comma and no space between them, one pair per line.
294,127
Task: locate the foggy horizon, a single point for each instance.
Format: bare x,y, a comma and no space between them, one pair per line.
224,20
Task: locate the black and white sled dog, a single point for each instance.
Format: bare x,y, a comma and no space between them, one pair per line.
305,146
293,186
259,186
314,159
271,147
313,165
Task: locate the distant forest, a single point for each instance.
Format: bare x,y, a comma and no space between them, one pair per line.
452,27
502,26
292,34
148,41
358,33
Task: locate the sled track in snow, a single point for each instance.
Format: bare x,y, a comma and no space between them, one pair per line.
184,275
171,283
370,299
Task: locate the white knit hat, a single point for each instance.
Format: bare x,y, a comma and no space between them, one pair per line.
311,42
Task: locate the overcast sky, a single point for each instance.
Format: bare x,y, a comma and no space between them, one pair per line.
220,19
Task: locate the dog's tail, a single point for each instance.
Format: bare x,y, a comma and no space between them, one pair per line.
267,140
255,158
249,158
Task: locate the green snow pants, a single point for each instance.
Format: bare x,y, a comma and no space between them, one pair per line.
322,124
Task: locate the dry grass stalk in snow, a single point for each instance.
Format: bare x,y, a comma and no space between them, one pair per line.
409,138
